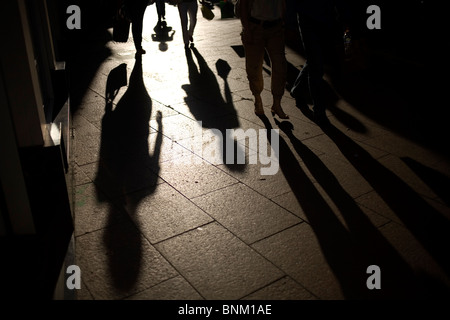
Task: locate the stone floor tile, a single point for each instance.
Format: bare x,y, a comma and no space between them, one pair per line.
193,178
117,262
398,168
163,213
298,253
217,264
246,213
122,175
173,289
283,289
86,143
93,210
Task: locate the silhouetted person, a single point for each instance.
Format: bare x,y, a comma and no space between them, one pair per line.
188,16
136,10
317,25
125,159
161,10
263,29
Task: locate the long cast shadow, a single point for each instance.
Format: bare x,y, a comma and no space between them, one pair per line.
436,180
350,251
206,103
123,176
399,280
425,222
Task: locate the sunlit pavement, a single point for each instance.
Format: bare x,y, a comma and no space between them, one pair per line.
158,216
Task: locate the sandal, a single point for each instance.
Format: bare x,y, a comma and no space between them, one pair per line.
279,112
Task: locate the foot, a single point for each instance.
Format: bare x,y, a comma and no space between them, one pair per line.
279,112
140,51
259,110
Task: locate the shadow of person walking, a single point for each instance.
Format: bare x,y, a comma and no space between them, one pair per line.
428,225
208,105
163,34
125,167
350,248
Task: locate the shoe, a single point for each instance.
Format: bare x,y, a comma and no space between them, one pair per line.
140,51
259,109
280,113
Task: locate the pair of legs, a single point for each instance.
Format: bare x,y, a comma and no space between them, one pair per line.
188,16
137,10
317,39
258,39
161,10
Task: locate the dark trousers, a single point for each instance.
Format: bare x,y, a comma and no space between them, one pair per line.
137,11
317,40
161,9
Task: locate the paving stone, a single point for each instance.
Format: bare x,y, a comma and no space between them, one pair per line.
346,175
297,252
178,127
122,175
93,210
283,289
193,178
400,147
93,111
373,201
163,213
270,185
431,280
173,289
86,144
79,176
117,262
289,202
325,144
401,170
217,264
246,213
83,293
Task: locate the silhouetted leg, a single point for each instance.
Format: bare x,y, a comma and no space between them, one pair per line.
311,37
161,10
182,10
192,11
254,57
275,48
137,17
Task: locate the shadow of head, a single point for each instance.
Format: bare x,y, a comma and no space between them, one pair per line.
223,68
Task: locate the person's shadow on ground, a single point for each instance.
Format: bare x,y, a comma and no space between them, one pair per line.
215,111
349,248
163,34
124,177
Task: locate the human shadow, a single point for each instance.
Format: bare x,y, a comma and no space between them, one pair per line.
437,181
215,111
163,34
427,225
349,250
124,177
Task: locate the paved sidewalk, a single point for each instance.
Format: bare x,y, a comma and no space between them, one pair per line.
157,216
